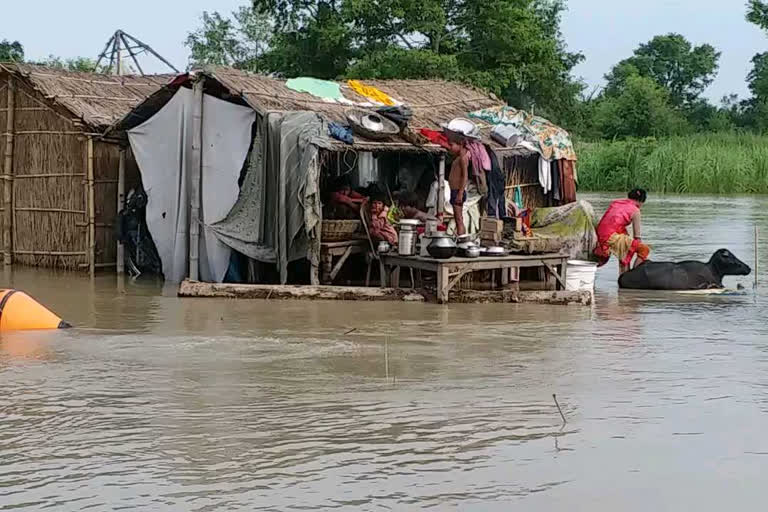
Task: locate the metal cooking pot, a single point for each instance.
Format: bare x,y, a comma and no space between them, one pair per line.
472,252
442,247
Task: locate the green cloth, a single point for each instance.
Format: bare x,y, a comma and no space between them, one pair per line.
569,228
321,88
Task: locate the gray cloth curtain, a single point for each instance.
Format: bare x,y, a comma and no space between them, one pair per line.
276,217
163,149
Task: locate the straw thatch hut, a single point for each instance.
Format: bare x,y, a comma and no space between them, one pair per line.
60,177
432,102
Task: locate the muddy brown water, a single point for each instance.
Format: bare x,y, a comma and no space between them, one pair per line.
156,403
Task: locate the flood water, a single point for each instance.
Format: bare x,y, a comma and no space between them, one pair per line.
157,403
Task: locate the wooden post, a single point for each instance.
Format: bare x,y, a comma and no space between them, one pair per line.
8,175
118,49
194,175
91,211
441,188
757,257
120,205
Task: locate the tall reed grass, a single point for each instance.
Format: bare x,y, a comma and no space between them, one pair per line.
718,163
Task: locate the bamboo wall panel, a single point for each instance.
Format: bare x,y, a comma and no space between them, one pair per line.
524,171
49,199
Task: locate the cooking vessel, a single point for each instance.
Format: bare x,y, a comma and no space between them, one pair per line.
495,251
442,247
472,252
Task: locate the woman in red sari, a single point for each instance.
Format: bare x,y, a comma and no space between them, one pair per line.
612,235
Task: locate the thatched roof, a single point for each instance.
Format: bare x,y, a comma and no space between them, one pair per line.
98,100
433,102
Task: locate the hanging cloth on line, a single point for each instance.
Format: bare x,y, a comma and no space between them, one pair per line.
370,92
479,157
545,176
519,198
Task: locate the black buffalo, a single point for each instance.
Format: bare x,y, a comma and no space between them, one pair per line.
686,275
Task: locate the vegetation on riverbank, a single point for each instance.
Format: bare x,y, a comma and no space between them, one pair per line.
717,163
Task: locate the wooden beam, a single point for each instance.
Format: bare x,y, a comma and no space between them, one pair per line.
195,174
283,292
120,207
8,175
441,188
555,273
257,291
340,263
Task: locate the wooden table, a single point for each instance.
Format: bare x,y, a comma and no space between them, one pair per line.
342,251
450,271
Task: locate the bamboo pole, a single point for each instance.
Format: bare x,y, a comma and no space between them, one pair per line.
119,50
195,173
48,175
8,176
91,211
52,253
120,206
441,187
757,258
50,210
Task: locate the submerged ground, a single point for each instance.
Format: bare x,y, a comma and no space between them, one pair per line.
156,403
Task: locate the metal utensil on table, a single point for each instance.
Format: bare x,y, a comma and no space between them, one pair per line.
383,247
406,244
472,252
495,251
442,247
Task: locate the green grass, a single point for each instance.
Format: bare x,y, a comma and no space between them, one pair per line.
718,163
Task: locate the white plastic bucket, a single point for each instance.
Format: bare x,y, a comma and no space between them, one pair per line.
581,275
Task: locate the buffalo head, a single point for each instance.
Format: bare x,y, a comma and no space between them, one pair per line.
727,264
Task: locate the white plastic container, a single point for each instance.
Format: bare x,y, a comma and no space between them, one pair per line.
581,276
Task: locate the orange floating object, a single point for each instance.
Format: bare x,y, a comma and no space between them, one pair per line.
19,312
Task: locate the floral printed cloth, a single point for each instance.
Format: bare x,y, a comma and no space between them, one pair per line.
554,142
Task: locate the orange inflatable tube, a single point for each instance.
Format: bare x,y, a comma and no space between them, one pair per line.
19,312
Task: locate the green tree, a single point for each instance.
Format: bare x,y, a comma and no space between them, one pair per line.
641,109
511,47
322,46
11,51
81,64
684,70
756,108
239,41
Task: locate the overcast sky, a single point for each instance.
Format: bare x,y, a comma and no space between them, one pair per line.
606,31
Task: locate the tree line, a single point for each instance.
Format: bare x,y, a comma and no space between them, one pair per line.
513,48
13,51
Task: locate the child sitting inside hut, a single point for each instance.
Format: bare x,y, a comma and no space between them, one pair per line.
409,204
378,226
344,203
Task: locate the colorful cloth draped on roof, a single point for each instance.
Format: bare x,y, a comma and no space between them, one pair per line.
324,89
371,93
555,143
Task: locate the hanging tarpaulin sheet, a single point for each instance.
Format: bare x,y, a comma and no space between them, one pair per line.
163,149
276,216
